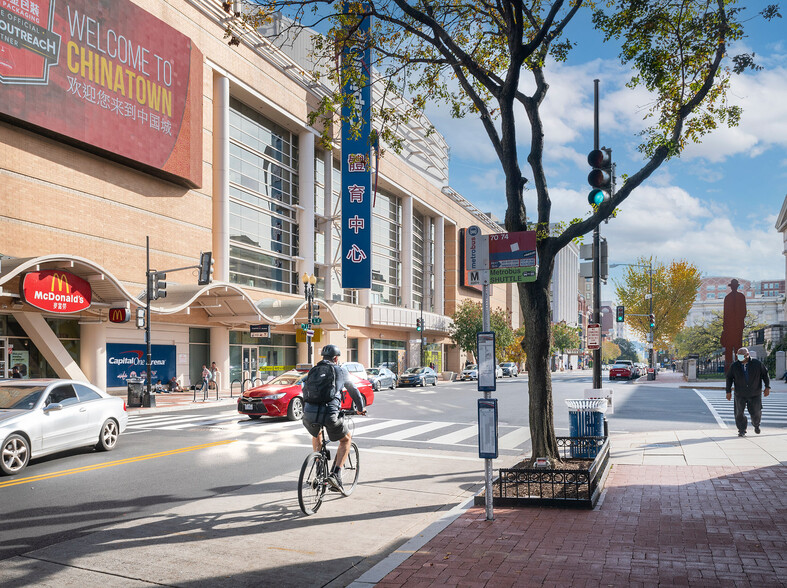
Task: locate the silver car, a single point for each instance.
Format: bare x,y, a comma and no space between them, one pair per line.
381,378
39,417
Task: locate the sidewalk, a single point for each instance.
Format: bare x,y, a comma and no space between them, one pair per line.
180,400
680,508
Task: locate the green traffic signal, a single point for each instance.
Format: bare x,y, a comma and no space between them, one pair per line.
596,197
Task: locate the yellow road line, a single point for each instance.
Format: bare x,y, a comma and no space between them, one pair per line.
98,466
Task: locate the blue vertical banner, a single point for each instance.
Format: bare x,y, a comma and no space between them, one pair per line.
356,169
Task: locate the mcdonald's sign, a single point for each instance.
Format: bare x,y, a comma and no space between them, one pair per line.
55,291
119,315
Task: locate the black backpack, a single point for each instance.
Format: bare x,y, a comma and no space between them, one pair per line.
319,387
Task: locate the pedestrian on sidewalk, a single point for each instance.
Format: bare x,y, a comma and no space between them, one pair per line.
747,375
206,377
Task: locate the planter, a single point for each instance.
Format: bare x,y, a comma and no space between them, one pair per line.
576,487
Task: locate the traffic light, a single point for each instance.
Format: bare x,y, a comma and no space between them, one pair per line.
205,268
316,314
652,319
140,318
620,314
600,177
418,325
158,285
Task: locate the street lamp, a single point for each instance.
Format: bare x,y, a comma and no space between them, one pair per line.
308,291
650,300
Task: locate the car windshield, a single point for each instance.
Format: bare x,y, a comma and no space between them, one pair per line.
20,397
414,370
506,364
286,379
472,367
373,371
621,365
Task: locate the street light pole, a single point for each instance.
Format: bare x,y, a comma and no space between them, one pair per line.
308,291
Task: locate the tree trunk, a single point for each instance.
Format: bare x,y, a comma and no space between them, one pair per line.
534,300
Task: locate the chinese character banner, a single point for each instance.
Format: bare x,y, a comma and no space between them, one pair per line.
356,174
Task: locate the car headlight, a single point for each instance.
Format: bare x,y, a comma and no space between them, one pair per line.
274,396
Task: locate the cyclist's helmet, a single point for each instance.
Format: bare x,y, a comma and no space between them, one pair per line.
330,351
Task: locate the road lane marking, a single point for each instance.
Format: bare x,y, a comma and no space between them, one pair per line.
98,466
413,431
715,414
514,438
456,436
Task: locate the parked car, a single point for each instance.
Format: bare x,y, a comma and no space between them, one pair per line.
41,417
510,369
283,396
498,371
356,369
623,368
469,373
418,376
381,378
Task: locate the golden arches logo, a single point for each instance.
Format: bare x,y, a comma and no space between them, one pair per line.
62,282
118,315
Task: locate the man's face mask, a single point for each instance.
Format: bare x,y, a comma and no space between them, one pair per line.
741,357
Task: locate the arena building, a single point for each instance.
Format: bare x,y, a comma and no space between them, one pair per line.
127,122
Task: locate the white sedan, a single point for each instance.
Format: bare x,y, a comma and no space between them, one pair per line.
39,417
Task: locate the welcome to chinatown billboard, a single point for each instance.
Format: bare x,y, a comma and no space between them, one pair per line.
108,76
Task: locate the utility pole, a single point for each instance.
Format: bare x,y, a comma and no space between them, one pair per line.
148,294
596,256
422,333
650,291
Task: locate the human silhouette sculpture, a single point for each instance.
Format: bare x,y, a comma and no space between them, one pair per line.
732,325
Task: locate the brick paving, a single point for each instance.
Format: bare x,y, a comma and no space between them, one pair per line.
657,525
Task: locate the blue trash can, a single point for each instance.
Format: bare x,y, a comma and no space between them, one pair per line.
585,419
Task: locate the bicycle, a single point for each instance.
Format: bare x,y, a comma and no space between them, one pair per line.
313,480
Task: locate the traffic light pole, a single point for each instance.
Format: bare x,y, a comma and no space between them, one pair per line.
596,256
422,333
147,315
652,342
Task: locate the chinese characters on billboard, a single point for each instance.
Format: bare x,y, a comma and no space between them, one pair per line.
107,76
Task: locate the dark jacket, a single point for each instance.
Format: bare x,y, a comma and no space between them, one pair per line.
758,374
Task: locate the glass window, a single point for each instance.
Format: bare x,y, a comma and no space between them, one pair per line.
86,393
64,394
386,247
263,196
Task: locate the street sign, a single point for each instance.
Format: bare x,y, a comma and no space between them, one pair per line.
594,336
316,320
487,428
485,342
500,258
259,330
309,332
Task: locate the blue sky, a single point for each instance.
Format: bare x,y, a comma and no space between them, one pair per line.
715,206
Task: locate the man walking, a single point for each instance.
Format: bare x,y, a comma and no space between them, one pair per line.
747,375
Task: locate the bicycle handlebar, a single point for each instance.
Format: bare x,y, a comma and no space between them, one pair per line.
351,412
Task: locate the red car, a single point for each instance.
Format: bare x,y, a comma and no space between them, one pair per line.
282,396
622,369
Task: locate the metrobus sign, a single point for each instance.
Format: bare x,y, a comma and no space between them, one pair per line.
55,291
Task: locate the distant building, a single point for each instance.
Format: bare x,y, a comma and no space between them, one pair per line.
764,299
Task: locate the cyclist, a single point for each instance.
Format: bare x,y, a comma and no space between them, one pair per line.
315,416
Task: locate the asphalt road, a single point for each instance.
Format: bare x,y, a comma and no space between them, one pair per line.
418,440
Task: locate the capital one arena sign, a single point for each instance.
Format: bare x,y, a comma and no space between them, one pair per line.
107,76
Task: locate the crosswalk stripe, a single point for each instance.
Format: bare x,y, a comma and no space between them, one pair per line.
456,436
377,426
204,423
411,432
514,438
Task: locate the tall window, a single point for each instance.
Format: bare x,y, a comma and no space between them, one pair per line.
386,247
420,260
263,196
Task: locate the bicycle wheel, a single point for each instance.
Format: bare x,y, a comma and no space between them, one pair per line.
350,470
311,483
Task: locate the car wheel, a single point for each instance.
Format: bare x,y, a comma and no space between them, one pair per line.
295,409
108,437
393,385
15,454
422,383
376,386
255,417
434,382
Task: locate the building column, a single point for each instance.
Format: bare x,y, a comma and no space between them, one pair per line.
93,353
406,289
365,351
220,353
439,265
306,199
221,178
